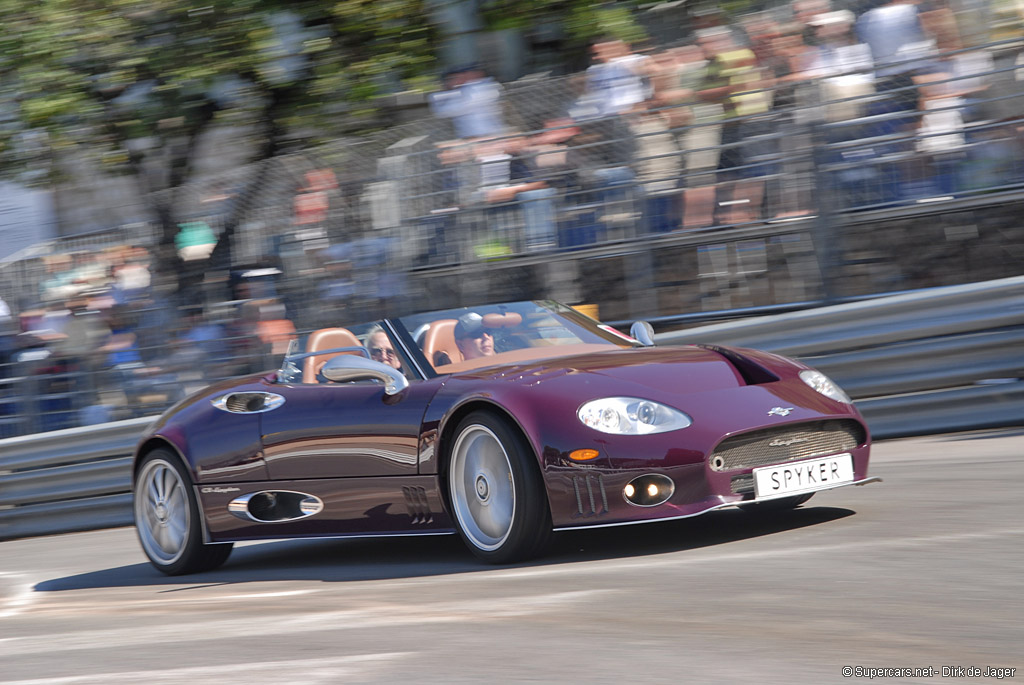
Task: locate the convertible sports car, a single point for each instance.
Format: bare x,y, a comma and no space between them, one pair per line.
500,423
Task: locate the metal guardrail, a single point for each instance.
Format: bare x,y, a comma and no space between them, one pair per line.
67,480
941,360
932,361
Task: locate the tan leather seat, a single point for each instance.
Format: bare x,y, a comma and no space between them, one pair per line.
326,339
438,341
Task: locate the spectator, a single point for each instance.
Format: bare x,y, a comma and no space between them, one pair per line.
615,84
697,125
132,278
57,286
472,101
507,175
734,80
900,48
658,167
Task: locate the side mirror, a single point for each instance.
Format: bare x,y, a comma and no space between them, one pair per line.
644,332
349,367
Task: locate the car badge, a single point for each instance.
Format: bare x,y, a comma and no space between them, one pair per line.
780,411
780,442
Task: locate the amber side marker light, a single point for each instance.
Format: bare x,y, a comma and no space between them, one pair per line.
584,455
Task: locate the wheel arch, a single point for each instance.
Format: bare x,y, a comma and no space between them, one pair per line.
153,443
447,436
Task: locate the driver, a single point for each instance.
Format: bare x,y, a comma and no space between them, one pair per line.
472,338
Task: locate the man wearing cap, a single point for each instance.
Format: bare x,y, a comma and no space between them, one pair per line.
472,338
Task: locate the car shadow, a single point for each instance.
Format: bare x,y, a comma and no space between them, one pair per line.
361,559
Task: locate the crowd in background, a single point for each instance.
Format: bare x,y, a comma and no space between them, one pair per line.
890,102
738,124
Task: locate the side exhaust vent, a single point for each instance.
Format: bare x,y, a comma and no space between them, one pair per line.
418,505
591,498
277,506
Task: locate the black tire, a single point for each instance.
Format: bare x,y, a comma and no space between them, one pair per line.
774,505
167,518
496,491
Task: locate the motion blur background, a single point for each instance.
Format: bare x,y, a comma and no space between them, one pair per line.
189,187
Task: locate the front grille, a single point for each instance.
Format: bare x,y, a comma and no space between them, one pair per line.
786,443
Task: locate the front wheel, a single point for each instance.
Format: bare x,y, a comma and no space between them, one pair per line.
167,518
496,490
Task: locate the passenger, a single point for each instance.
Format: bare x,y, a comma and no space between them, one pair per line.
472,338
381,350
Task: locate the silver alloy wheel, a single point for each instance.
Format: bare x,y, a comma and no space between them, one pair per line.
483,494
162,513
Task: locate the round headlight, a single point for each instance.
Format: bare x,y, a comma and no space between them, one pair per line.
631,416
821,383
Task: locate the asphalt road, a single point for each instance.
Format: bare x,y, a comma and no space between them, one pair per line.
925,570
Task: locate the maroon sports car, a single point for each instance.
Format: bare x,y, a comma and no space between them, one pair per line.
500,423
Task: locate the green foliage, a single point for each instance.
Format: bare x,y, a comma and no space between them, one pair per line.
587,21
102,75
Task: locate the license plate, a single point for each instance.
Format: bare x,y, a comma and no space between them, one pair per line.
802,476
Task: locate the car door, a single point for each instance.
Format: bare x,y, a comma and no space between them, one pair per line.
344,430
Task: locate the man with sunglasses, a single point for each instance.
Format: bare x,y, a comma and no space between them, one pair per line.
381,349
472,338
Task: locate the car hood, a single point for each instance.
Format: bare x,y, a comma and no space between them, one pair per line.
664,370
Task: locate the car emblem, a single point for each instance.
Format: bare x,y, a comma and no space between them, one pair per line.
780,411
779,442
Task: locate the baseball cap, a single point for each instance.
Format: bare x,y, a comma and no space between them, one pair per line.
469,325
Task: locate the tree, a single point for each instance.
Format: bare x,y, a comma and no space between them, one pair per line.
140,82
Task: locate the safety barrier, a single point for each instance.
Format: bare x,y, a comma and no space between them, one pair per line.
67,480
941,360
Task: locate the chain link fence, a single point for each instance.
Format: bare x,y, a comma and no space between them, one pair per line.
842,182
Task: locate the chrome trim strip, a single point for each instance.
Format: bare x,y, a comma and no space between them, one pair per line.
393,334
339,536
724,505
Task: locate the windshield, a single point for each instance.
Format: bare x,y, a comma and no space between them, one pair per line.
454,340
473,337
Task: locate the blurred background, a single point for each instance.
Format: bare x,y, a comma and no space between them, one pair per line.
186,188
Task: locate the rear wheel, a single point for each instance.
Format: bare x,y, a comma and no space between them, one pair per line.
496,490
773,505
167,518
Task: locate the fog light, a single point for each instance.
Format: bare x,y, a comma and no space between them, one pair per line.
649,490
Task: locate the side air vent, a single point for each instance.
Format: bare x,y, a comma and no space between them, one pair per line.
275,506
591,498
418,505
248,402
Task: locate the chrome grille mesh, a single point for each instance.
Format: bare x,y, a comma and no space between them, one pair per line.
786,443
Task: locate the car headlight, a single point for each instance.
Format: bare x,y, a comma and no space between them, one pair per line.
631,416
819,382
